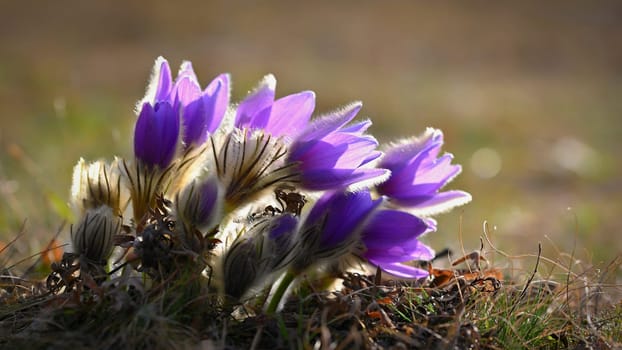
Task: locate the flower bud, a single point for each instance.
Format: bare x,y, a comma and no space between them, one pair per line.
96,184
258,254
92,237
199,205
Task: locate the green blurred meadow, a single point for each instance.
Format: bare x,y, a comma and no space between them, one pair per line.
529,95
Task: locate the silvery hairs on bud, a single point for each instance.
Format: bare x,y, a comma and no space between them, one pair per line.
259,254
95,184
92,237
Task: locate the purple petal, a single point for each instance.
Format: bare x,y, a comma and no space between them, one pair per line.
410,155
282,226
188,97
259,100
186,88
433,204
325,179
416,176
408,251
290,114
400,270
165,80
341,214
340,151
358,128
325,125
186,71
340,200
195,129
216,97
142,131
388,228
208,197
371,157
416,185
439,171
156,134
358,150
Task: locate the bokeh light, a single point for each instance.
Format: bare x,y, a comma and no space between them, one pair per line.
485,163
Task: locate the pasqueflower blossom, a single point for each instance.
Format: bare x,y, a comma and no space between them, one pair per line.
331,155
418,174
286,116
201,111
342,224
330,230
200,162
172,116
170,107
353,223
273,142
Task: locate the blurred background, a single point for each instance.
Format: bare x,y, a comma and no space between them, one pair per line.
529,95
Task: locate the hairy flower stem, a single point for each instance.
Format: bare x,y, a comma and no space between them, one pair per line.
280,292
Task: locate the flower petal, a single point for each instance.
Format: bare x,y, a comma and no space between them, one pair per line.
417,175
257,101
345,212
195,128
186,89
163,74
159,123
413,250
389,228
337,151
434,204
323,179
358,128
159,86
421,148
290,114
216,98
401,270
327,124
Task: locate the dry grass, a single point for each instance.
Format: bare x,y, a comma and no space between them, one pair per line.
471,305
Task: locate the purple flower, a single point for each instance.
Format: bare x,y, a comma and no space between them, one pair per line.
341,224
339,215
418,173
156,134
391,238
199,205
332,156
285,116
330,231
201,111
259,254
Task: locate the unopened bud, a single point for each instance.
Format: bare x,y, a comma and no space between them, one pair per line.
92,237
96,184
199,205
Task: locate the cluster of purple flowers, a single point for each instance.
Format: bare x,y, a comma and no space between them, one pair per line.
315,192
